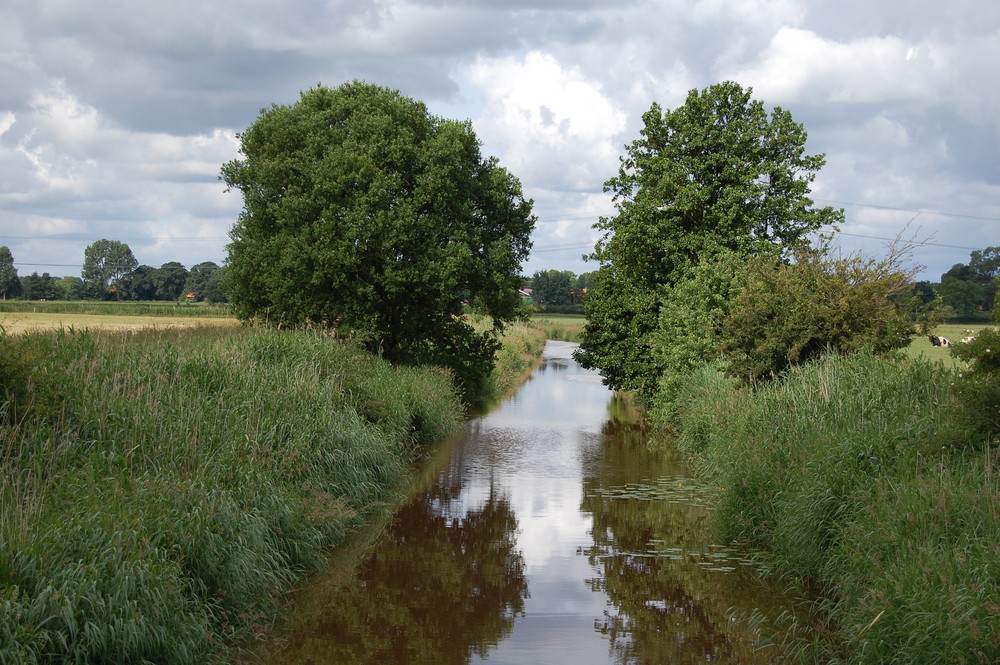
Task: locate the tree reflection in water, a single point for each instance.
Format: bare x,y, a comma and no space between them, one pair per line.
670,600
440,587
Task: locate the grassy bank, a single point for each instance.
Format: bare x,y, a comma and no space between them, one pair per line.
159,490
519,356
856,479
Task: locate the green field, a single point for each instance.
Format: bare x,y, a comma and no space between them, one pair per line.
921,346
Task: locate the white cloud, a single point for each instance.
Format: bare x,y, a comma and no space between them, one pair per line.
558,129
800,65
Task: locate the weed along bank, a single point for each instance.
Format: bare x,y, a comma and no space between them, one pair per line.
161,490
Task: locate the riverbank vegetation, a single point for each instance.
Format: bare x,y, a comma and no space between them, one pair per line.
867,480
159,490
863,467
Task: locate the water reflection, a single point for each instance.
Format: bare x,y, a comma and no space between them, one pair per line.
442,585
671,590
549,532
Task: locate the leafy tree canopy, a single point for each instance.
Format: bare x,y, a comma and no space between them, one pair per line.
975,281
364,212
169,280
717,173
10,285
105,262
198,279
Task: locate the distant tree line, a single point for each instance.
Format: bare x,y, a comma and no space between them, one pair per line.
966,291
111,272
558,290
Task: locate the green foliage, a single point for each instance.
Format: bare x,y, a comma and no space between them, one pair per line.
105,262
39,287
215,288
978,387
555,287
788,313
198,280
10,285
169,280
717,173
365,213
17,359
838,472
961,295
691,319
158,491
969,289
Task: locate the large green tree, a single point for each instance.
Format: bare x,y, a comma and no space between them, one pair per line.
10,285
553,287
169,280
364,212
105,262
39,287
717,173
199,277
970,288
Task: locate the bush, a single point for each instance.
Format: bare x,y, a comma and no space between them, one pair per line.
978,388
787,314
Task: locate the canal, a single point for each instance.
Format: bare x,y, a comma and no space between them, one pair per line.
549,531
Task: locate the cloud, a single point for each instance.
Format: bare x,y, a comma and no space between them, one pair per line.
558,130
800,65
115,116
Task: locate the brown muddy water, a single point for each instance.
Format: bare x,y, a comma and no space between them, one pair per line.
547,532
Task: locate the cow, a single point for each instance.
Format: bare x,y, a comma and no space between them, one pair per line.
938,341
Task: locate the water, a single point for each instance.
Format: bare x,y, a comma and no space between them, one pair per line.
546,533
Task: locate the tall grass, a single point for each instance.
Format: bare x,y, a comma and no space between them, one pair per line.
564,327
844,472
158,491
518,356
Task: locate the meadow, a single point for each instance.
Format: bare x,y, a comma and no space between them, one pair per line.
161,489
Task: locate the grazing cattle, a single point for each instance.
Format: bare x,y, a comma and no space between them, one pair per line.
938,341
944,341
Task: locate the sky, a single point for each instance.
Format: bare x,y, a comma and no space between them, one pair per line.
116,115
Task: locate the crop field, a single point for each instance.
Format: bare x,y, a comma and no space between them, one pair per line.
18,322
20,316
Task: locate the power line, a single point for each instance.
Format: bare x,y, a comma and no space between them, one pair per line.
925,212
931,244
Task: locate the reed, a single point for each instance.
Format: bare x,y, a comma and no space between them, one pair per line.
160,490
845,474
